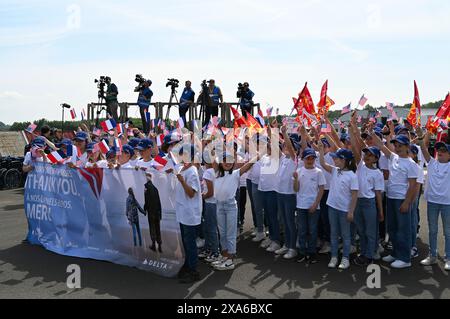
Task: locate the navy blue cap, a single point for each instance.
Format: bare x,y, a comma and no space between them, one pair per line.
308,153
380,126
325,142
296,146
38,142
343,154
144,144
134,142
373,150
171,138
81,136
344,137
128,149
65,142
399,129
402,139
90,147
295,137
112,152
440,145
414,149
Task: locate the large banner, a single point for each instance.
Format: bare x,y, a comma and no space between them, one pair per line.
82,213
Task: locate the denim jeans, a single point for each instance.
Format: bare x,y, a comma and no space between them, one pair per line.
433,223
339,226
136,230
399,230
269,201
414,221
307,231
366,220
210,227
189,236
252,204
287,204
227,222
324,223
257,200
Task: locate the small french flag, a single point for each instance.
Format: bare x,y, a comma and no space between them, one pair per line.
73,114
108,125
83,114
160,140
162,126
161,162
120,128
55,157
180,123
118,145
72,150
104,147
31,128
260,118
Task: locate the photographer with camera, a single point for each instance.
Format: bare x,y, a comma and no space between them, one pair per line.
144,100
112,104
246,98
214,100
186,100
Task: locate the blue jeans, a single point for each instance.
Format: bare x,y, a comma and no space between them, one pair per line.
210,226
269,201
257,200
307,225
414,221
366,220
136,230
339,226
433,223
252,204
189,236
227,222
287,204
399,230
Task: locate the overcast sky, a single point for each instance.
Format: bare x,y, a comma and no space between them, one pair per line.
51,51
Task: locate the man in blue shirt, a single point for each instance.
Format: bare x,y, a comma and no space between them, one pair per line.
186,100
144,100
246,99
215,99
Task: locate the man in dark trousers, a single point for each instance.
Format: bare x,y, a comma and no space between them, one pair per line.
153,208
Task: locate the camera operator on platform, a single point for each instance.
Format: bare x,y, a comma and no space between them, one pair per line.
112,104
215,100
246,98
144,100
187,99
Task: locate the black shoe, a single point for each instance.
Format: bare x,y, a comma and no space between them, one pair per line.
191,277
301,258
311,259
159,248
153,247
361,261
25,241
183,272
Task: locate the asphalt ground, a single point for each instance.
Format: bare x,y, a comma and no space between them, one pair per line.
32,272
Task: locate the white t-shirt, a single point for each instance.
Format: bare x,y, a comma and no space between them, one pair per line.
341,186
225,187
400,171
143,164
79,160
369,181
421,174
29,160
269,170
189,210
384,166
134,162
255,173
309,181
127,165
437,188
329,160
208,175
285,182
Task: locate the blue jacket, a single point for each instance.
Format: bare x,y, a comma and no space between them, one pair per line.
247,99
145,98
187,96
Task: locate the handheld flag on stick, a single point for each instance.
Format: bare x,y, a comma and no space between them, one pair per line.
31,128
104,147
108,125
415,113
347,109
73,114
55,157
363,100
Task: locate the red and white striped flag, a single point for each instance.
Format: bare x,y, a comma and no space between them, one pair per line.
73,114
104,147
120,129
269,111
160,162
97,131
160,140
363,100
346,109
118,145
108,125
55,157
260,118
31,128
326,128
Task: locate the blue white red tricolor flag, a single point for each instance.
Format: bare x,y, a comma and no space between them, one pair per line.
108,125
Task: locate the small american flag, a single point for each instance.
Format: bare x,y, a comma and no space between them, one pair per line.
363,100
31,128
346,109
97,131
390,106
269,111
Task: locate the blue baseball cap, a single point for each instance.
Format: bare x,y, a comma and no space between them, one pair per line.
38,142
343,154
399,129
112,152
81,136
171,138
295,137
64,142
90,147
325,142
373,150
402,139
308,153
440,145
145,144
134,142
128,149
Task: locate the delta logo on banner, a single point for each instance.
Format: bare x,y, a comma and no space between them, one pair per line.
108,125
94,177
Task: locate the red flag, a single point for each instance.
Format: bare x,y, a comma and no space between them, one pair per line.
444,110
323,99
238,119
416,111
306,100
253,123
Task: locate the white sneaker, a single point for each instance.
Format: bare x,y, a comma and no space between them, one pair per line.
398,264
254,232
325,248
265,243
221,259
447,265
291,254
226,265
200,243
333,263
388,259
283,250
429,261
259,237
345,264
212,258
273,247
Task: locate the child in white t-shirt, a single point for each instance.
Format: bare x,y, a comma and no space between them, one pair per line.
414,154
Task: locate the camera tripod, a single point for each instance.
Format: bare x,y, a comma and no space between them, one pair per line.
173,95
100,108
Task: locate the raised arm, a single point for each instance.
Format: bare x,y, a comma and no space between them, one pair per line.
381,146
288,142
424,142
324,165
